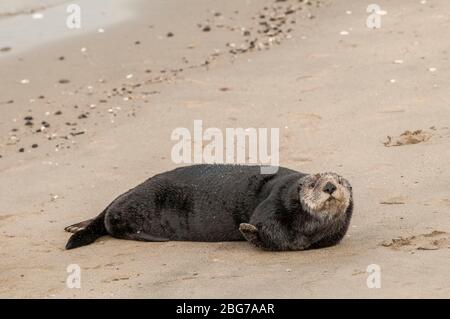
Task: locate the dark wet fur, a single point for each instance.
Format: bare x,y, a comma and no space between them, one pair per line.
208,203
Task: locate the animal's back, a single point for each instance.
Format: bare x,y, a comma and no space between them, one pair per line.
217,198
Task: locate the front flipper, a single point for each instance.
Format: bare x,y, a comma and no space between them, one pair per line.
250,234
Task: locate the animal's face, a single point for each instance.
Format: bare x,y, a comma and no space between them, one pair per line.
325,195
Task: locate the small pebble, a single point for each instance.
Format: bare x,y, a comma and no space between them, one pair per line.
169,34
206,28
34,146
63,81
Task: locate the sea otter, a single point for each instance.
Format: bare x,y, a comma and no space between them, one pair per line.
286,210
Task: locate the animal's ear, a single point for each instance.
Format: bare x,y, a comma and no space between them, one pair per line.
302,181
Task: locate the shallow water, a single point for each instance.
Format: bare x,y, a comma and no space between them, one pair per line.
25,24
17,7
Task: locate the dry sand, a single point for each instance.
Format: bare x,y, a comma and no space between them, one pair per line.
340,93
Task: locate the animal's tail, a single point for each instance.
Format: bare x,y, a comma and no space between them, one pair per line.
89,234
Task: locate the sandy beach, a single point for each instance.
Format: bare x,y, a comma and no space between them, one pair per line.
86,114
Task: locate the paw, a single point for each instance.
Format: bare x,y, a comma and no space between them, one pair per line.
248,228
250,234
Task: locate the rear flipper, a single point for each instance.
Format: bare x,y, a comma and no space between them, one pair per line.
78,226
92,231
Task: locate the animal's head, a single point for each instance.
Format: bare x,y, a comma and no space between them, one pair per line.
324,195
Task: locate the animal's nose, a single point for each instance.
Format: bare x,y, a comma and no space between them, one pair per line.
329,188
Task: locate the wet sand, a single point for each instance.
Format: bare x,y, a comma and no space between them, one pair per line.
89,116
